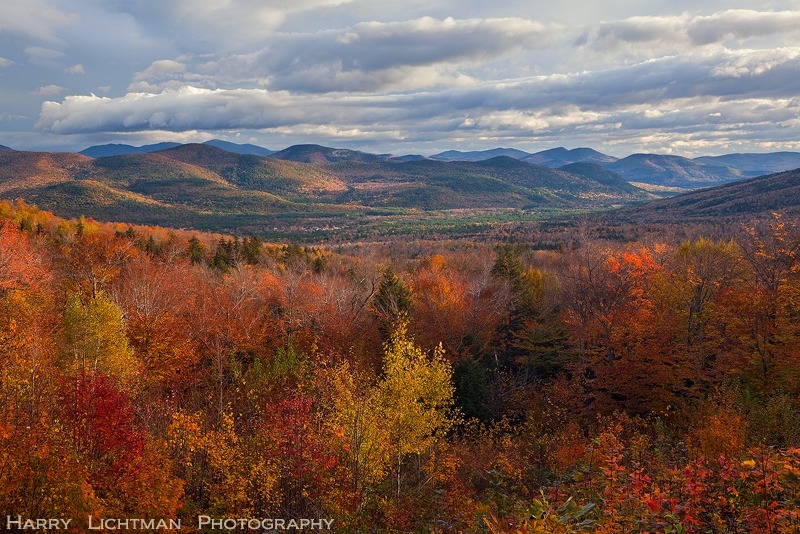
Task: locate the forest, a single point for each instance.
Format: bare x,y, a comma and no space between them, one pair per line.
594,385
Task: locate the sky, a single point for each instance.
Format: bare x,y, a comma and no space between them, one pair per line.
403,77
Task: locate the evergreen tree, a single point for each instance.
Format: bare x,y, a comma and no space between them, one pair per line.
392,300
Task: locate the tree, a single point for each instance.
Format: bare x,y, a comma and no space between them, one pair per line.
95,333
415,398
405,414
21,267
532,336
391,301
196,251
768,329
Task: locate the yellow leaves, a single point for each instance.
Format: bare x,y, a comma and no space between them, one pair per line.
437,262
96,335
748,464
218,461
404,413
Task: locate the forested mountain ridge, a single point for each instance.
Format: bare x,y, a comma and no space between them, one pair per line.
207,187
653,169
760,196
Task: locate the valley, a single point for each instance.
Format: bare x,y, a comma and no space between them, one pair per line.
312,193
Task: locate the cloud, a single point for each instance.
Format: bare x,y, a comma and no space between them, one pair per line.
159,69
11,117
741,24
35,19
165,74
366,71
219,25
666,94
49,90
373,56
40,52
680,33
5,62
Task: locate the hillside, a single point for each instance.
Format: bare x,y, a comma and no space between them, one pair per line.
322,154
236,148
479,155
595,172
500,182
118,149
757,164
558,157
33,169
259,173
201,186
676,171
743,199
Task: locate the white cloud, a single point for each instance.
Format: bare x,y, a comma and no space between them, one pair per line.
40,52
364,70
11,117
36,19
741,24
625,94
374,56
49,90
680,33
219,24
5,62
159,69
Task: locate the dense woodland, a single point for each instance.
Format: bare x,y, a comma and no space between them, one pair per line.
648,386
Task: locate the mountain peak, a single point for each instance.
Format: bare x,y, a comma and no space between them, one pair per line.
479,155
247,148
118,149
560,156
322,154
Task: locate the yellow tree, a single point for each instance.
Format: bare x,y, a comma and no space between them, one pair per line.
95,333
415,398
763,317
405,414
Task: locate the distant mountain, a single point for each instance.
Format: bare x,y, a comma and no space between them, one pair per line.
744,199
479,155
757,164
677,171
601,175
558,157
258,172
500,182
323,154
246,148
20,169
202,186
115,149
3,147
407,157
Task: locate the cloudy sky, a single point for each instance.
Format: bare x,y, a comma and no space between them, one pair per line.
410,76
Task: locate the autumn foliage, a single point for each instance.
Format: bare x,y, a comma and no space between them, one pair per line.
603,387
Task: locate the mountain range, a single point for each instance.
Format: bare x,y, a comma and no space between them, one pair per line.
202,186
652,171
656,170
116,149
227,187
